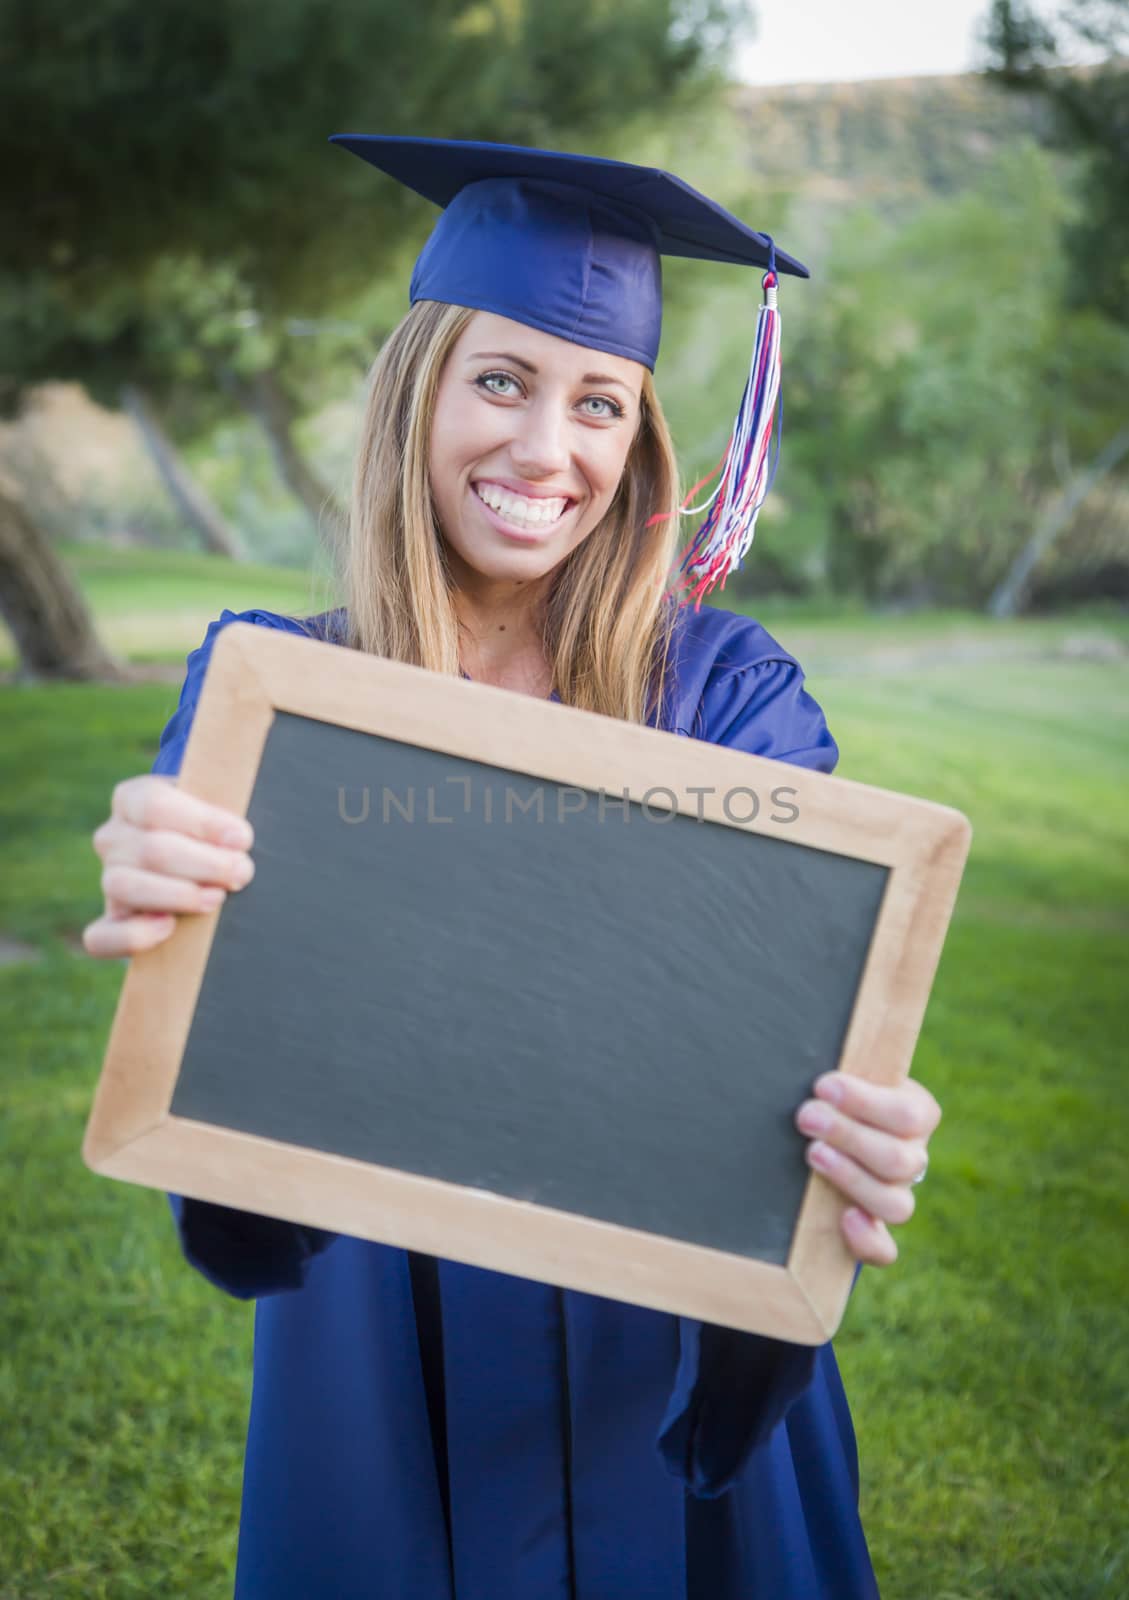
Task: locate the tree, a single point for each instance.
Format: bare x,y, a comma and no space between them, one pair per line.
171,201
39,601
934,386
171,206
1091,118
186,494
1091,105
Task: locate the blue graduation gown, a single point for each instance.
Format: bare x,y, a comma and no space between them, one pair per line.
435,1431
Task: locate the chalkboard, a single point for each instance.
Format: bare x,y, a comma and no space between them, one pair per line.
524,986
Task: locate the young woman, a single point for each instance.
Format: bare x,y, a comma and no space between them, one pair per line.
422,1428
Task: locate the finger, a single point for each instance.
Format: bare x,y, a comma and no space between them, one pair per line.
887,1202
154,801
885,1155
126,936
174,855
906,1108
136,890
868,1239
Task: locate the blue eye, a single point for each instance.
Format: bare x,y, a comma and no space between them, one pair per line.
613,408
487,381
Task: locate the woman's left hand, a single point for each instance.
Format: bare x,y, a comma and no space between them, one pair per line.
871,1140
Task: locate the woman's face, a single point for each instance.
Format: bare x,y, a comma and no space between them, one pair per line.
528,445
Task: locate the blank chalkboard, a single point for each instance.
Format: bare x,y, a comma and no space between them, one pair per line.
509,987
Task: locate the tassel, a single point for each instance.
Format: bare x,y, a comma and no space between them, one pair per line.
723,540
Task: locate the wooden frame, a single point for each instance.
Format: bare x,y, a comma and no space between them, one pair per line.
255,672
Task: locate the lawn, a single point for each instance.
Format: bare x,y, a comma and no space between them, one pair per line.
987,1371
154,605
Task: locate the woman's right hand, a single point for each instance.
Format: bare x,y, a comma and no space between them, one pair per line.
164,853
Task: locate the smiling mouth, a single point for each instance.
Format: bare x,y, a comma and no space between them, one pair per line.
521,512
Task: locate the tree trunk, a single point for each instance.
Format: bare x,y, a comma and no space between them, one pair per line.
1008,596
189,498
264,397
44,610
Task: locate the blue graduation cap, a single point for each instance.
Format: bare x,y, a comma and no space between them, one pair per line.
572,245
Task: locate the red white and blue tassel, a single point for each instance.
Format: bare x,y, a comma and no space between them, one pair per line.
723,540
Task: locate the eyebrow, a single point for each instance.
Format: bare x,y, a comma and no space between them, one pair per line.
527,366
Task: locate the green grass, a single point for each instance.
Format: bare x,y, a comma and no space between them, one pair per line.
155,605
987,1371
858,641
122,1386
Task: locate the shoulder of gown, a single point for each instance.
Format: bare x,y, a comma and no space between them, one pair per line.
732,684
735,685
327,626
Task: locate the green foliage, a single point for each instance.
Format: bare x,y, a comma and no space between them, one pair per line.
1091,115
941,381
985,1371
169,197
935,383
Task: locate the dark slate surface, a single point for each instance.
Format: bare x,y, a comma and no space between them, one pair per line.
612,1017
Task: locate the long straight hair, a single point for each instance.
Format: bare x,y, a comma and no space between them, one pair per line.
609,615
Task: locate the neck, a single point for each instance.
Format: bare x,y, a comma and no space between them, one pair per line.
499,616
501,631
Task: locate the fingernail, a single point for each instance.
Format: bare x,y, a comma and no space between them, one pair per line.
821,1156
830,1087
242,873
814,1118
210,898
239,836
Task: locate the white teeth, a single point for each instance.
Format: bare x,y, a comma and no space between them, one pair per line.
517,509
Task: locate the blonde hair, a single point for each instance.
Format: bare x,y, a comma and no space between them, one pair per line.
608,617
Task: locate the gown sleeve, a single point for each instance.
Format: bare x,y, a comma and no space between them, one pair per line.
731,1389
244,1254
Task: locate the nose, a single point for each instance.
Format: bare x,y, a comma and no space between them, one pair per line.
539,446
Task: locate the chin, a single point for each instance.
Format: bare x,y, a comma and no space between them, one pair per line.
520,566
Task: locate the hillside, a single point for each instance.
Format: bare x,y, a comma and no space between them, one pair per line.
890,142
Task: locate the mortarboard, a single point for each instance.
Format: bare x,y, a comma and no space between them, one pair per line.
572,245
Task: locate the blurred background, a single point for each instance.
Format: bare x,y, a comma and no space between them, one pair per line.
192,287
